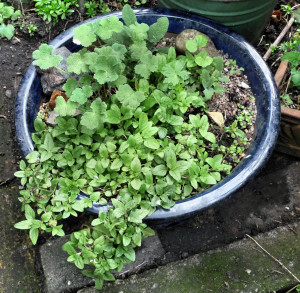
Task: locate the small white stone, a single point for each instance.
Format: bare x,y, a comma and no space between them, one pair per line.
244,85
69,283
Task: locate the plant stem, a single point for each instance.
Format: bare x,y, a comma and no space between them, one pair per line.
67,73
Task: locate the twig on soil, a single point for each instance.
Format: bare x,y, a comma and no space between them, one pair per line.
279,38
287,85
274,258
6,181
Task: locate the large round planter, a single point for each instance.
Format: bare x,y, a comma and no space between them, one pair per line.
261,81
247,17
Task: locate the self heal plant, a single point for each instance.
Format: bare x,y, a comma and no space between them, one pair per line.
133,134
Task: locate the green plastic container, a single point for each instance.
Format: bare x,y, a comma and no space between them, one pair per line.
246,17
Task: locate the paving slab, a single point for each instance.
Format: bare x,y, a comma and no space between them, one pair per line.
17,256
240,267
62,276
269,200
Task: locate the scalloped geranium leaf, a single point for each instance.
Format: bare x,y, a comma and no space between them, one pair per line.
44,57
84,35
198,41
174,72
93,119
7,31
108,26
149,63
108,68
128,97
76,62
70,85
80,95
138,50
139,31
158,30
64,108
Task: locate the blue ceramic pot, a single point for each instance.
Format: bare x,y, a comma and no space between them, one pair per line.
259,76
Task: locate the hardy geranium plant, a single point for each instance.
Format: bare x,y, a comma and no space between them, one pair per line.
142,139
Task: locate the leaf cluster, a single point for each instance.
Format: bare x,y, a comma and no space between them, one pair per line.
7,17
53,10
142,139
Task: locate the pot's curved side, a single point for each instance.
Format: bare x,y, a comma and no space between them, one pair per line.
261,81
247,17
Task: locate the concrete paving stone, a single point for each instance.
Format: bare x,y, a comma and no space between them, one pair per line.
239,267
17,256
62,276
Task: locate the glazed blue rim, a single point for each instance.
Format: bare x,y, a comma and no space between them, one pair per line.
262,83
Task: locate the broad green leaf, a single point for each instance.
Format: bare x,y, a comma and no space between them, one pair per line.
76,62
39,125
70,85
94,118
130,254
136,165
160,170
19,174
128,97
175,72
34,234
7,11
176,175
136,184
33,157
114,114
64,108
137,216
108,26
29,212
44,57
198,41
107,68
80,95
128,15
158,29
116,164
26,224
152,143
84,35
292,57
148,63
170,158
7,31
139,31
202,59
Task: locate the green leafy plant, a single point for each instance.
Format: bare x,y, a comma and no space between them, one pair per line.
294,59
142,140
95,7
7,17
31,29
53,10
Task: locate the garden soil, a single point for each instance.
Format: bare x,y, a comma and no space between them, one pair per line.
261,205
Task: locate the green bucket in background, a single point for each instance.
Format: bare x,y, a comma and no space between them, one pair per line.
246,17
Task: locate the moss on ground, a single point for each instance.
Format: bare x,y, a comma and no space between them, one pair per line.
240,267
